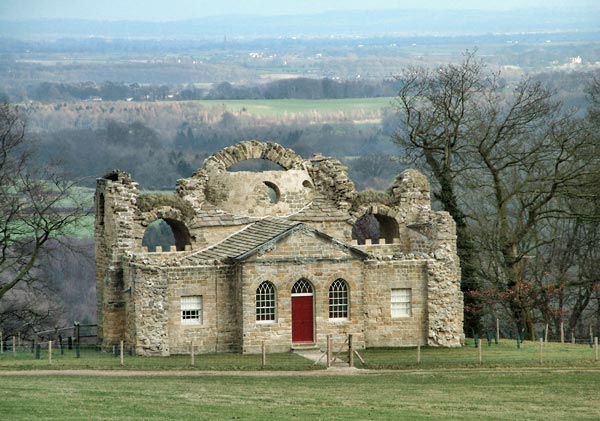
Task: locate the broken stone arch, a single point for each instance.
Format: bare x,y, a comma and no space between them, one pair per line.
174,220
375,222
253,149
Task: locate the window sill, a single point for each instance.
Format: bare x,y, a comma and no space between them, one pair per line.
266,322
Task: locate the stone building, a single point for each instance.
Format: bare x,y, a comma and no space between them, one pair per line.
275,256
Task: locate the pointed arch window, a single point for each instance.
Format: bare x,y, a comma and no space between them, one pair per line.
338,300
265,302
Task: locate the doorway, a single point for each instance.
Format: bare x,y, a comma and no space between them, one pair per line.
302,312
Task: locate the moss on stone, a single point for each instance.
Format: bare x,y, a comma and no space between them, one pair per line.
148,202
367,197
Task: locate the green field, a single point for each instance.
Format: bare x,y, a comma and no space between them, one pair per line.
462,394
448,384
83,228
280,107
505,354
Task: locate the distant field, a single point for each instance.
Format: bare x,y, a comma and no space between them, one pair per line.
167,116
280,107
85,227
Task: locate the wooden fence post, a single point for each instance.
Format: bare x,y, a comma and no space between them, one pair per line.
14,344
595,348
264,354
572,337
562,332
121,352
77,332
192,353
480,353
49,352
419,354
350,352
497,330
546,333
541,350
329,350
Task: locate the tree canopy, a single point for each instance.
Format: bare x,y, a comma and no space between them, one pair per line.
504,158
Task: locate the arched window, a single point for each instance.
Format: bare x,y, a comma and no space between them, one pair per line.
101,209
265,302
338,300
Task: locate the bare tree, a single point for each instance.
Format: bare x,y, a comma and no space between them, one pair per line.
437,110
37,205
502,158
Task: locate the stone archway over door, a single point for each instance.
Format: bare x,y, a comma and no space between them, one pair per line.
302,312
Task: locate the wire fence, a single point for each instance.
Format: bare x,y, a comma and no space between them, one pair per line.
67,354
482,353
71,355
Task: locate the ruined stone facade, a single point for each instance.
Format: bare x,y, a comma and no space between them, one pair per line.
270,256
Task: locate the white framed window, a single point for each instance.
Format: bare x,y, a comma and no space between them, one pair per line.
265,302
401,302
191,309
338,299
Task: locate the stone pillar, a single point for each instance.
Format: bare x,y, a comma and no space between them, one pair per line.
117,217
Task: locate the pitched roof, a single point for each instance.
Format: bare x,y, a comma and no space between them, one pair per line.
250,239
247,239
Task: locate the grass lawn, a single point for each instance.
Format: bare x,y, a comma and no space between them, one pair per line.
448,384
463,394
504,354
95,360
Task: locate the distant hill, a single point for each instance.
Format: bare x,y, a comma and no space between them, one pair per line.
330,24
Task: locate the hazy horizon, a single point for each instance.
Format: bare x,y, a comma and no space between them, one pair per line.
159,10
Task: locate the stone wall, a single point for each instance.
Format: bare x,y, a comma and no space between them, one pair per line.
445,304
247,193
379,279
154,310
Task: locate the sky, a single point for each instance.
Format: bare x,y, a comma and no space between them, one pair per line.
169,10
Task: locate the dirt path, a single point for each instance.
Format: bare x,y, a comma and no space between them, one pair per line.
332,371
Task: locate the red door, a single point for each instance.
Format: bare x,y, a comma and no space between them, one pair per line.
302,319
